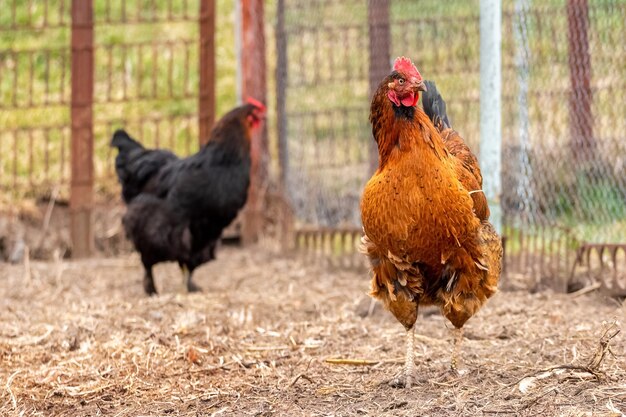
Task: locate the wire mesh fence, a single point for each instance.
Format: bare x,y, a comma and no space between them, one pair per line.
34,82
563,98
563,101
146,60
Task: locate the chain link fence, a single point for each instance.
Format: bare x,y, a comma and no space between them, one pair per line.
564,100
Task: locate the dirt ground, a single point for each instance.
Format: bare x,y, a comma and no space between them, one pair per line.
81,339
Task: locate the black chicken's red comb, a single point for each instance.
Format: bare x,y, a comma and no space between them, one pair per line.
256,103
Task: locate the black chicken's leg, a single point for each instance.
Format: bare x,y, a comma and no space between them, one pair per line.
188,284
148,281
192,286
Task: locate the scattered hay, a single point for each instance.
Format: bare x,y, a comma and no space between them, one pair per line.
273,335
572,371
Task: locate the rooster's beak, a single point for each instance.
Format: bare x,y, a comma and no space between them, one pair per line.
420,86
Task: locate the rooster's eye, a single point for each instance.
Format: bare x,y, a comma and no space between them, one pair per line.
400,81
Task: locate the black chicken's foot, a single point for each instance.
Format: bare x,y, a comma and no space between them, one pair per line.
148,285
192,286
188,285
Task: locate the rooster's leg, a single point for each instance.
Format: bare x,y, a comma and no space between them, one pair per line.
409,364
406,380
458,338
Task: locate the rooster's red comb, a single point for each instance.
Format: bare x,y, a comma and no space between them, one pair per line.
256,103
404,64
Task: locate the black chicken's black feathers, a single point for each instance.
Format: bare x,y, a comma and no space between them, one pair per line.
158,232
178,207
136,165
434,106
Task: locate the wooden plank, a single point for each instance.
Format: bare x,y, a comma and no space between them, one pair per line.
580,100
380,55
206,94
81,191
253,84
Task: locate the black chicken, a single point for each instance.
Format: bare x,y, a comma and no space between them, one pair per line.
178,208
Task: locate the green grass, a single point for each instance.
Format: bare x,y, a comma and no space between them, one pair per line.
132,82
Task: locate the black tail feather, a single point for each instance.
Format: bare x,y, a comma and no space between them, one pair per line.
122,140
434,106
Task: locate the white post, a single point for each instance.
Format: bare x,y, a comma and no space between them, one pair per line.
491,105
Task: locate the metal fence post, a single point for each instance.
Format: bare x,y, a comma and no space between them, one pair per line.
380,56
580,100
281,91
286,221
206,94
491,105
81,193
252,68
522,65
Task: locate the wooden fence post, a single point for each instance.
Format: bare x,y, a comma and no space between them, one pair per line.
580,100
81,192
253,84
380,56
206,95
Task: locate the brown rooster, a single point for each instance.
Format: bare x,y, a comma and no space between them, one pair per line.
425,217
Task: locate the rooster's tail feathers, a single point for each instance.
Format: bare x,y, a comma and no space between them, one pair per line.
434,106
122,141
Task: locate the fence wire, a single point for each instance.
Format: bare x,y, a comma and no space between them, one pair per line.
564,100
146,80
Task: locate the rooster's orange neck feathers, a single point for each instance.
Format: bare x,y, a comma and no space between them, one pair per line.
392,129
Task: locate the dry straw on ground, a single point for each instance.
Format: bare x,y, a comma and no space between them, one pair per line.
271,335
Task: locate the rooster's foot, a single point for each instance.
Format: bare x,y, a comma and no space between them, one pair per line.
450,376
403,380
456,372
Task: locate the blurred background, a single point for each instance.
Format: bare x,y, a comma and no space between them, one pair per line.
166,69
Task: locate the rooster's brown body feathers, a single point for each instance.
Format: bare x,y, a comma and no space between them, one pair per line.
425,218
